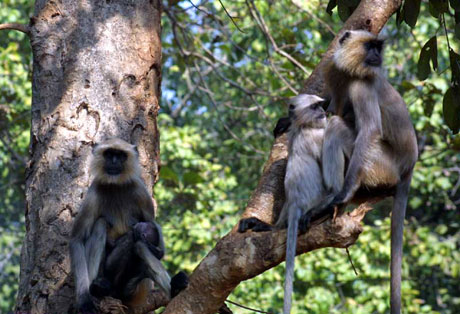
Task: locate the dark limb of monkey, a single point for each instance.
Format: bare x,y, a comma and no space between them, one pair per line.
88,254
179,282
253,224
134,257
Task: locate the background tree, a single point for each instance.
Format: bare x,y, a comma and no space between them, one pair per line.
96,73
222,92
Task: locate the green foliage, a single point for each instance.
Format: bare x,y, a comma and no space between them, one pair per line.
325,282
15,100
223,92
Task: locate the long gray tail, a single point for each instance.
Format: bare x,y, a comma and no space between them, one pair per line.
291,243
397,228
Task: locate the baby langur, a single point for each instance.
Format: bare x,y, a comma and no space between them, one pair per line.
303,183
116,203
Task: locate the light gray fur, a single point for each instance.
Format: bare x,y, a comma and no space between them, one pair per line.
303,183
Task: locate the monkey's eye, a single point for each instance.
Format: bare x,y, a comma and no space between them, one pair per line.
115,155
317,105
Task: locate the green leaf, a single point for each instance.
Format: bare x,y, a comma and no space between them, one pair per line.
407,85
351,3
455,67
167,173
330,6
455,4
429,52
451,108
440,6
344,10
428,106
411,10
457,31
399,16
456,142
192,178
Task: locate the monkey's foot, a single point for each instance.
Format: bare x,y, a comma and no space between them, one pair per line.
253,224
304,222
178,283
100,287
88,305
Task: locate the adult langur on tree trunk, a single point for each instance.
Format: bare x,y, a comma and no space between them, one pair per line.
115,235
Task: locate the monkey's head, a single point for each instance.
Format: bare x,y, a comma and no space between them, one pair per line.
115,161
359,53
308,111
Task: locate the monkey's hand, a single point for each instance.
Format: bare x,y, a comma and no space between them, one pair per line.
304,222
253,224
340,199
87,305
178,283
100,287
282,126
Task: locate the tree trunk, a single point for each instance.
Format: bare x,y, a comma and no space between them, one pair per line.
96,74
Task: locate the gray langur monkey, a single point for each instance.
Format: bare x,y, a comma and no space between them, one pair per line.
116,205
303,183
371,142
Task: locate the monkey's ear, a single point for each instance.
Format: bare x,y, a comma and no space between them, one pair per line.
344,37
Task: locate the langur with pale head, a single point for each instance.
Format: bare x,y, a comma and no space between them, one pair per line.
371,141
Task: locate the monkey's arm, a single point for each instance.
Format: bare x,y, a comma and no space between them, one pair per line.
369,127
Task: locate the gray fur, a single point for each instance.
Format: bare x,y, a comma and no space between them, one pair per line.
373,124
303,183
113,204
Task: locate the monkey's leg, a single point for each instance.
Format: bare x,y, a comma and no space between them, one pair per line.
89,260
95,247
253,224
337,147
115,267
154,268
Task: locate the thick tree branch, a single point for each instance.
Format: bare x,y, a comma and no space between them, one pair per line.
239,257
15,26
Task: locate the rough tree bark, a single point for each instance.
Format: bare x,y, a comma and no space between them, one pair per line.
238,257
96,73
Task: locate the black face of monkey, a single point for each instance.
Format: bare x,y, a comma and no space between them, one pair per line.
318,110
114,161
374,53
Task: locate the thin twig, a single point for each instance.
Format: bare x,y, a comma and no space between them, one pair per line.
16,26
315,17
351,262
248,308
231,18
